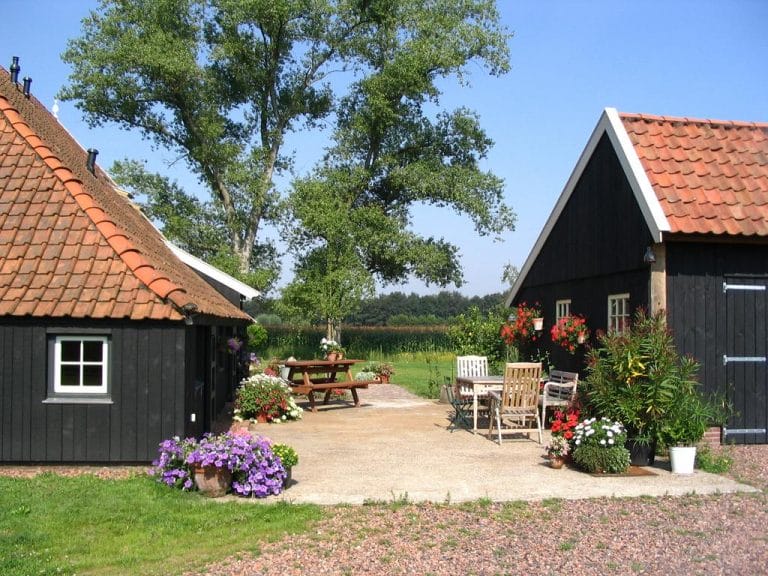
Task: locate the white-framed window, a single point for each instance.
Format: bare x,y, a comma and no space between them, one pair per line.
618,313
562,309
80,364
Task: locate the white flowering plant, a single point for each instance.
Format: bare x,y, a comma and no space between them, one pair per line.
602,432
598,446
327,346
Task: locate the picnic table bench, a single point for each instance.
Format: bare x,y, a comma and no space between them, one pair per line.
310,376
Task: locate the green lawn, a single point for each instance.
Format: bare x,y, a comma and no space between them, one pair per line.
423,372
84,525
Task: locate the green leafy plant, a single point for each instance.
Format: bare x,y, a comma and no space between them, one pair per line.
689,416
288,456
266,396
598,446
257,336
714,462
635,377
475,333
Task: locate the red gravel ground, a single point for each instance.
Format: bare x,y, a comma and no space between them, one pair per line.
707,535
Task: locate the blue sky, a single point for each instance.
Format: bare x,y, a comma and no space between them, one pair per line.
570,59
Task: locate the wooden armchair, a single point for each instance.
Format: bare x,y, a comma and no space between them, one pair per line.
559,391
517,405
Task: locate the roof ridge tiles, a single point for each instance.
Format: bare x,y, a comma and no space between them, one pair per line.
691,120
167,290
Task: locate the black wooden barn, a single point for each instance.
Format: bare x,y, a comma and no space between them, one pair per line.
109,343
667,213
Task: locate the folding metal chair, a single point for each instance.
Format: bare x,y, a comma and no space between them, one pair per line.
462,409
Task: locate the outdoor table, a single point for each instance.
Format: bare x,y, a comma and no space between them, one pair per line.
480,385
310,376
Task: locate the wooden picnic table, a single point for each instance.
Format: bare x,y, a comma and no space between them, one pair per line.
310,376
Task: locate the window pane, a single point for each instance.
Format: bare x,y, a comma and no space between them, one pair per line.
92,351
70,375
70,351
92,375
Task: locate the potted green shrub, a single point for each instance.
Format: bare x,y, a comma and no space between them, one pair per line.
634,378
686,424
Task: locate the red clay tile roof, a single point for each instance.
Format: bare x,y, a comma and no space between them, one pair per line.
711,177
70,244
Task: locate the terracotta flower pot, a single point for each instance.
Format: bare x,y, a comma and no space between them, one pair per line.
333,356
212,481
556,462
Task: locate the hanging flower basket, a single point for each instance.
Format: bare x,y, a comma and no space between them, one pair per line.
521,327
569,332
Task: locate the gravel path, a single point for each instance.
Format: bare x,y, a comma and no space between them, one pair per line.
707,535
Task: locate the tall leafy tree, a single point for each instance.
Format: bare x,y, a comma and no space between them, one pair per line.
394,148
222,82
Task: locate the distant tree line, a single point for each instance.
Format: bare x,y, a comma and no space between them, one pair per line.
396,309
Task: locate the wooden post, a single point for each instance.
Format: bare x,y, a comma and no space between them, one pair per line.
658,281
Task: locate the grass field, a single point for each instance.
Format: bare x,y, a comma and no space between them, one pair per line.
84,525
421,372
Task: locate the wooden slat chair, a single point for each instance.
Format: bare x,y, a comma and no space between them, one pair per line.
471,366
559,391
517,405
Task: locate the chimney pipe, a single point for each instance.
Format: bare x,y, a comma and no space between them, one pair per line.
27,85
91,162
15,68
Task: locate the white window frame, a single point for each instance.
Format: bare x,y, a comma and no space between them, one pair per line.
80,390
618,313
562,309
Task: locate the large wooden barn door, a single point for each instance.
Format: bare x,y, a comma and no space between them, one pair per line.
746,359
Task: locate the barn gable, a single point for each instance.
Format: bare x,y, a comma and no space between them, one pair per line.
667,214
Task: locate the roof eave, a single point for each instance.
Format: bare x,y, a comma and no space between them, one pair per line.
220,276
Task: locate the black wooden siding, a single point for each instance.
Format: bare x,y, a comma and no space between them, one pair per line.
700,318
147,385
595,249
